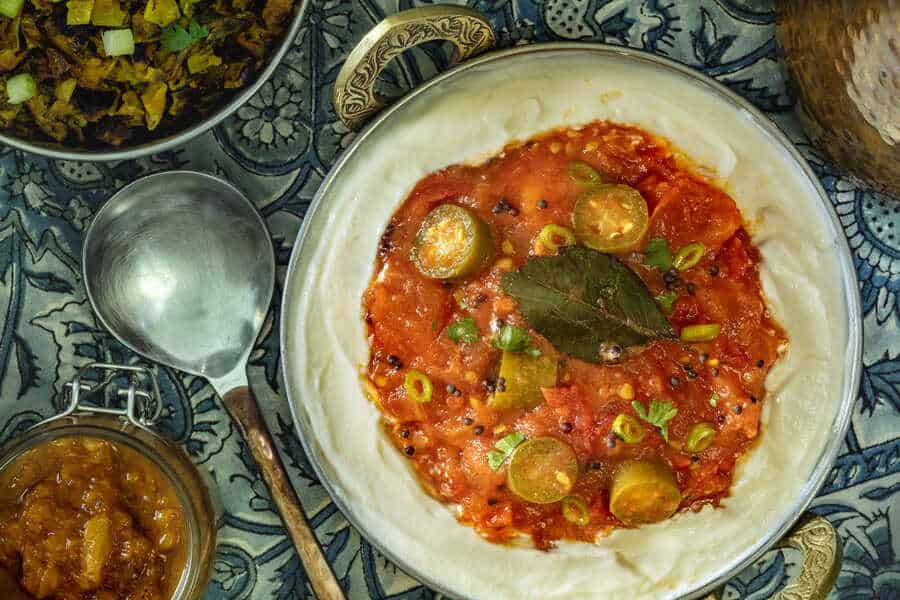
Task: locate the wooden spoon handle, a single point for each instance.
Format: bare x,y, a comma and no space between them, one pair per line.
243,409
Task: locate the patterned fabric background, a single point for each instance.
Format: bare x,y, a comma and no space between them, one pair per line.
279,147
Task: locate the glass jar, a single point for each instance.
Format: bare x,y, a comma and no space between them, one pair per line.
131,428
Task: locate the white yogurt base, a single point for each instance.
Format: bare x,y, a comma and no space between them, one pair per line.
469,118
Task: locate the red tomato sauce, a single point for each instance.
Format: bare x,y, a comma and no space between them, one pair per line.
517,193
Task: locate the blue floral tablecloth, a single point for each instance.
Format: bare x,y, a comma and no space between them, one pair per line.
279,147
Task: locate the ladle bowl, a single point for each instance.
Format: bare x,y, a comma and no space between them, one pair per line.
180,268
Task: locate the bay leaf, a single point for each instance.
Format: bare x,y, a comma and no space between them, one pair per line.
582,298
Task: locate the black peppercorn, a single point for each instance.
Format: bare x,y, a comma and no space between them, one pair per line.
720,419
394,361
691,289
404,433
566,427
738,409
753,399
468,421
714,270
479,429
492,501
674,381
409,450
760,363
695,458
542,204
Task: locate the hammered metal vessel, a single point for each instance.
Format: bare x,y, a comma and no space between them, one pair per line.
843,57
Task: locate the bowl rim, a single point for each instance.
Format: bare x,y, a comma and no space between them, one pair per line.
853,355
182,136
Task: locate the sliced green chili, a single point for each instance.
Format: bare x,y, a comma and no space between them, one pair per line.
688,256
700,437
418,386
554,236
700,333
584,174
575,510
628,429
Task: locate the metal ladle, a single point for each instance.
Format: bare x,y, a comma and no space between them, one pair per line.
179,267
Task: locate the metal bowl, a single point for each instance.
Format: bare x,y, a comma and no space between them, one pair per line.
58,151
345,215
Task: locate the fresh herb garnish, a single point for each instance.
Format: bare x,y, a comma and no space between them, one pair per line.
515,339
714,399
175,38
504,449
659,415
463,330
666,300
658,254
582,299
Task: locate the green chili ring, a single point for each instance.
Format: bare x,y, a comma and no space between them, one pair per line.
688,256
628,429
700,437
700,333
418,386
575,510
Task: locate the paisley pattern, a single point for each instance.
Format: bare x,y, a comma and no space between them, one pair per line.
279,147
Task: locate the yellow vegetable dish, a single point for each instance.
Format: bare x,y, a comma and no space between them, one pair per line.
87,519
107,73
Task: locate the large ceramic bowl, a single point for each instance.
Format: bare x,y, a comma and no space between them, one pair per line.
470,113
128,152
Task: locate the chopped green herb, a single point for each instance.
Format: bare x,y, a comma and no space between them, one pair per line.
659,415
714,399
434,325
175,38
463,330
658,254
515,339
504,449
666,300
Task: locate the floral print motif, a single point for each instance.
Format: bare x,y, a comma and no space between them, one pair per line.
269,116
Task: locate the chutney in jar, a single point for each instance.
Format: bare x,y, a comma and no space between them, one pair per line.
85,518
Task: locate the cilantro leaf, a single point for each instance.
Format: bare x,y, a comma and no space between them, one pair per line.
658,254
463,330
504,449
197,30
714,399
175,38
666,300
658,415
515,339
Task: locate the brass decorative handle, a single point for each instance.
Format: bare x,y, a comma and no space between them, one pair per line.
355,100
822,552
243,409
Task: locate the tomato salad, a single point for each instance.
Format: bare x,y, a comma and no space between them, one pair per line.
570,337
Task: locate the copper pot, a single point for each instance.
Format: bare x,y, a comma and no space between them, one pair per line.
843,57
